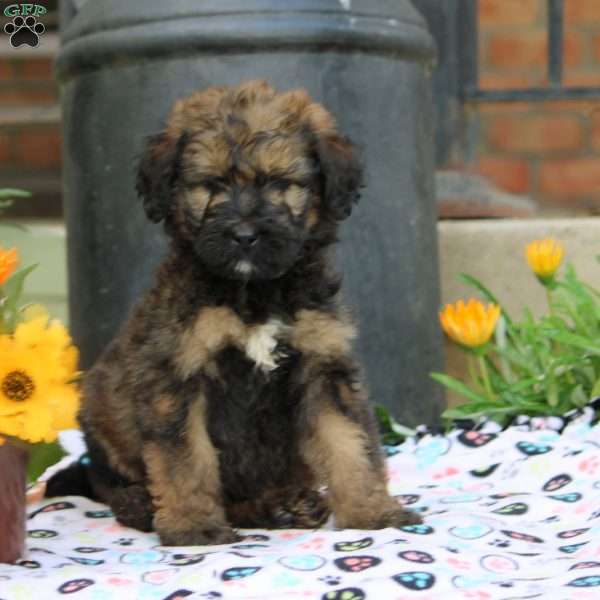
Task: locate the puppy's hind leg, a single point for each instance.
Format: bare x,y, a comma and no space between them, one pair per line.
131,505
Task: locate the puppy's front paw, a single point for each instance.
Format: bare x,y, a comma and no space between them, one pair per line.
207,534
387,514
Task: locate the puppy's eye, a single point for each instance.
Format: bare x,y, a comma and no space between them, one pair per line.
261,180
215,185
281,185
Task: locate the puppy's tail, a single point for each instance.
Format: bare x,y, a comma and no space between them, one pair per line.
72,481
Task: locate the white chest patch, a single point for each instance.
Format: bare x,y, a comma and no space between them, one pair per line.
261,343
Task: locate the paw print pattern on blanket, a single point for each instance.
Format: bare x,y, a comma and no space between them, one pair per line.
239,573
415,580
354,545
356,564
417,556
345,594
495,529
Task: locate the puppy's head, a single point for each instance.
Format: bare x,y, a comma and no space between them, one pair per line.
247,176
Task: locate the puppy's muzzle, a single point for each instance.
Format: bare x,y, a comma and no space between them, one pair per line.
245,236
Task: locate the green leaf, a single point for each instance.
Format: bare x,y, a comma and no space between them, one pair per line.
390,428
552,394
572,339
518,360
13,193
41,457
12,289
596,389
458,386
578,397
472,410
523,384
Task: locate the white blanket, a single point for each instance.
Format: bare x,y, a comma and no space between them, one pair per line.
508,514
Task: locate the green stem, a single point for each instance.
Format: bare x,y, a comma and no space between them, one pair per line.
485,377
472,371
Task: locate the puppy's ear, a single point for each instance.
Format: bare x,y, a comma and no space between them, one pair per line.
341,173
157,174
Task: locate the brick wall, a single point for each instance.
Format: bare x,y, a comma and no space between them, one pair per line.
30,132
548,150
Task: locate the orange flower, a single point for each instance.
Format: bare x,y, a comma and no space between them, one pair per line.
471,324
544,257
8,262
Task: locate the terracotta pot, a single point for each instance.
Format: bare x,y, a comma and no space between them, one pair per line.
13,478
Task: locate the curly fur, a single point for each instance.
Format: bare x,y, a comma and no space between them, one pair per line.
230,398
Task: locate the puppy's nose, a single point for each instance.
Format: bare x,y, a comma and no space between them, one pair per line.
245,236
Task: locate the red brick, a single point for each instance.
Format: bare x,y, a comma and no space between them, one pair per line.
508,80
596,46
7,72
562,206
36,69
512,175
535,133
573,48
580,106
507,107
5,148
595,130
508,12
570,178
33,95
582,12
39,148
517,49
582,78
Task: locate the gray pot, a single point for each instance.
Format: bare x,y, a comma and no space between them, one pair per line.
123,64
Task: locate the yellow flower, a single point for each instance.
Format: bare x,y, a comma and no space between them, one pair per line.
8,262
50,338
471,324
36,398
544,257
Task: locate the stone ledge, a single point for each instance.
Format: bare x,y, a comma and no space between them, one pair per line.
491,250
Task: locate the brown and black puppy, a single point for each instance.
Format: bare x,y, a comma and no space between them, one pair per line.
230,397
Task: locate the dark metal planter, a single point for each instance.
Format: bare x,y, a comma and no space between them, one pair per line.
123,64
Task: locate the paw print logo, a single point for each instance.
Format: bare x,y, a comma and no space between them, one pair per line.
24,31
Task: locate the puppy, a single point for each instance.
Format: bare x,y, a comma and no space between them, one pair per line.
230,398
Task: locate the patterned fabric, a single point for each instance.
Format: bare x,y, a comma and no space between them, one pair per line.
508,514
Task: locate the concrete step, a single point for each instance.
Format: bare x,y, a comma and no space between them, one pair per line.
18,116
